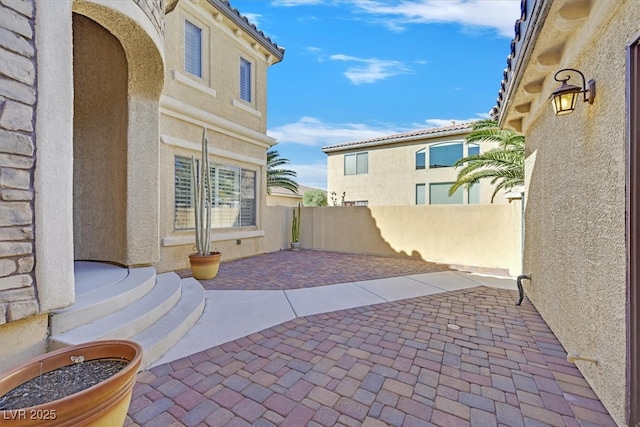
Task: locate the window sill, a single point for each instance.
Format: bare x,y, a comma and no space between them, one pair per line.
217,237
246,108
187,81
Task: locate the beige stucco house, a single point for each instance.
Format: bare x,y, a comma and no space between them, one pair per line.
216,65
100,103
406,169
583,184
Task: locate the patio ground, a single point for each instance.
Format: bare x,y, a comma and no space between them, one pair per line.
465,357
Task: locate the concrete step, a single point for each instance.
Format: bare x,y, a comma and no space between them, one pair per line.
129,320
108,296
167,331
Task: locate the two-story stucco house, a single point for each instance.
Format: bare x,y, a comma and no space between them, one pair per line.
216,77
582,224
102,104
413,168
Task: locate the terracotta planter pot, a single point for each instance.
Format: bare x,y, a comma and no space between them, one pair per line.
205,267
104,404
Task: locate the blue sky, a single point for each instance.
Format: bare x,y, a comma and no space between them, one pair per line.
357,69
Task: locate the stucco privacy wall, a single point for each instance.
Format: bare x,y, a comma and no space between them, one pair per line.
575,214
485,236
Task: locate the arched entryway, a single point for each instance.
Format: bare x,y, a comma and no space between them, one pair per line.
118,74
100,117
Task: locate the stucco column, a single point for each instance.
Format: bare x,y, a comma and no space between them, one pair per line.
54,165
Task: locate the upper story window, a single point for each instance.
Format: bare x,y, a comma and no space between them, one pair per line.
420,159
192,49
356,164
445,155
245,80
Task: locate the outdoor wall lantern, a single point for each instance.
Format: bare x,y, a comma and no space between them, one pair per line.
565,97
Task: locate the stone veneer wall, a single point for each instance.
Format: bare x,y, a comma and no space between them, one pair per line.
18,97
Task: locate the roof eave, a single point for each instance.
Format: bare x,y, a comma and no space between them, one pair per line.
522,48
242,22
365,144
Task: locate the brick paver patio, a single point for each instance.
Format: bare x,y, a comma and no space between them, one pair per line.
301,269
468,357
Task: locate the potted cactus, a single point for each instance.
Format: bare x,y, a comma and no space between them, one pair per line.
204,262
295,229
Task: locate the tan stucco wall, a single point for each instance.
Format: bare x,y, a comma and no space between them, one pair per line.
143,47
392,176
218,90
235,128
485,236
100,144
278,199
575,214
53,176
23,339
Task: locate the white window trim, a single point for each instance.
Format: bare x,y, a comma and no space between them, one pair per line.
188,81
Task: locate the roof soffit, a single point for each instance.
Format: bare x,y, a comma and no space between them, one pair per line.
237,25
549,30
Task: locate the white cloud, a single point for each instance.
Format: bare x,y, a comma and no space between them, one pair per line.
373,69
499,15
311,131
312,175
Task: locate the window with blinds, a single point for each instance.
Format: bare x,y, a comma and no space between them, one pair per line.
245,80
183,203
233,196
192,49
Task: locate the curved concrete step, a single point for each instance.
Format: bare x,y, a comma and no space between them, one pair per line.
167,331
91,276
130,320
103,301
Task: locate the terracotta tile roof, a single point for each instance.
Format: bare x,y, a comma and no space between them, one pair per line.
454,129
526,31
242,21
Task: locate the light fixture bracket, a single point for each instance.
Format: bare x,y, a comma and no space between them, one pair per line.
588,89
564,98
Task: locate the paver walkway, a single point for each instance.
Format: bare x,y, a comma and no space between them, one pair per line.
466,357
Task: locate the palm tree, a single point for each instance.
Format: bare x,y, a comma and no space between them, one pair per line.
279,177
504,164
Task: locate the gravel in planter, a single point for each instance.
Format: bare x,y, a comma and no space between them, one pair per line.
59,383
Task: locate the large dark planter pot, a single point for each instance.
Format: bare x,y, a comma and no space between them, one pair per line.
205,267
104,404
